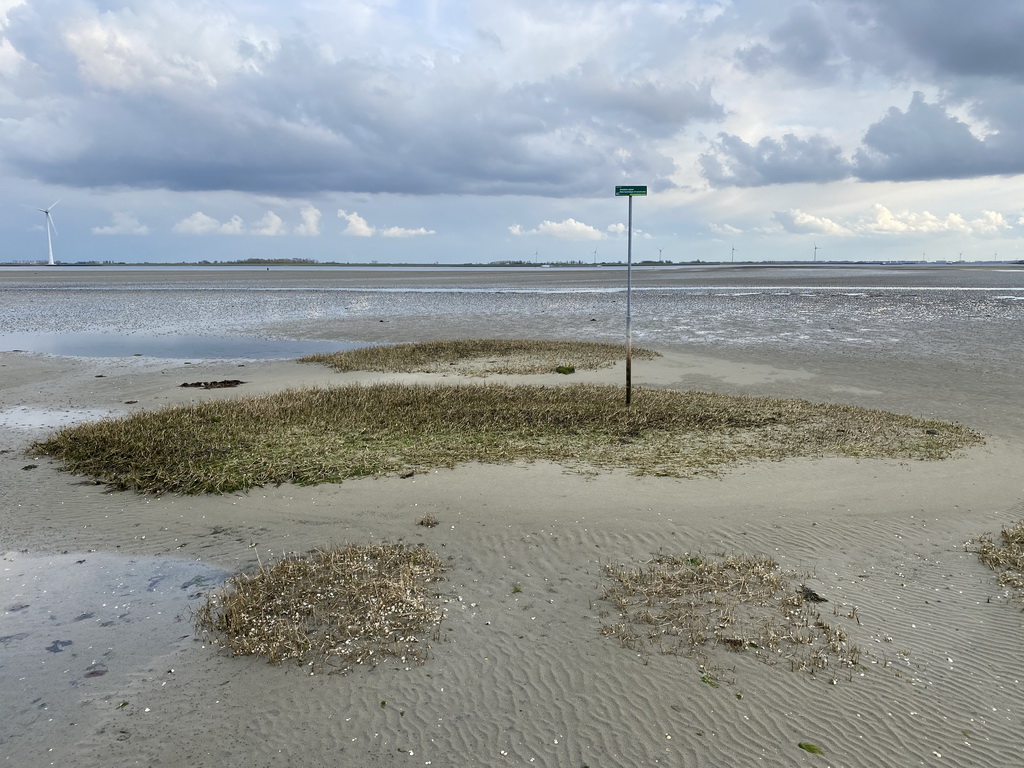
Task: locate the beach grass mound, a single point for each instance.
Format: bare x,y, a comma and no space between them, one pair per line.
480,357
693,604
333,608
323,435
1005,556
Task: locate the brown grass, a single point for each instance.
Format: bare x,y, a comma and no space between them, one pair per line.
333,608
315,436
1005,556
480,357
693,604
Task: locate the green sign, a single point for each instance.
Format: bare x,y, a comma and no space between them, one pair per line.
630,191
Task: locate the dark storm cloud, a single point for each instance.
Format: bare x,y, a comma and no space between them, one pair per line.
925,142
293,122
733,162
632,106
950,37
904,38
802,44
971,54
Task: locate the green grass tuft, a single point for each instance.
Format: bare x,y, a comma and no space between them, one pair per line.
480,357
312,436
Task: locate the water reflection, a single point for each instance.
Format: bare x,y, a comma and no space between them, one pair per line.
175,347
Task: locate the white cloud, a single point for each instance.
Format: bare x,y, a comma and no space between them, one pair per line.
10,59
158,47
619,230
197,224
800,222
569,229
123,224
271,225
400,232
310,226
6,6
357,225
724,229
233,226
201,224
884,221
990,223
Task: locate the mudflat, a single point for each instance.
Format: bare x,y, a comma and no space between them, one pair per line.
522,673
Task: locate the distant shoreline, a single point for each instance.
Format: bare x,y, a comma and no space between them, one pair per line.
305,264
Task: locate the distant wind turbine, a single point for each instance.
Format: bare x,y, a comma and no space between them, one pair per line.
49,228
816,249
732,256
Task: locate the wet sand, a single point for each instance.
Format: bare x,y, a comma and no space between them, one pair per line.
94,582
525,677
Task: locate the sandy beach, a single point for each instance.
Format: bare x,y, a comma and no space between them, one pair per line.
97,582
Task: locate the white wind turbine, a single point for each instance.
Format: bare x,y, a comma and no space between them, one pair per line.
49,228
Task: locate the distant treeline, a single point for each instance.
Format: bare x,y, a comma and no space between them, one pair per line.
263,262
508,263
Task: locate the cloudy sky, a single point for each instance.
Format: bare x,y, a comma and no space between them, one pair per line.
484,130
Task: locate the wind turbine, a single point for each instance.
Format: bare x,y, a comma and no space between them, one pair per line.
49,228
816,249
732,256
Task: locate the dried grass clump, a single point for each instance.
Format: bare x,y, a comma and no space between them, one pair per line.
335,607
480,357
692,604
1005,557
315,436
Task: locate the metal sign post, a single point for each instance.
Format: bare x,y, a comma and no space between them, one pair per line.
629,192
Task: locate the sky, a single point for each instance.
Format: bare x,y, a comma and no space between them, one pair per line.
452,131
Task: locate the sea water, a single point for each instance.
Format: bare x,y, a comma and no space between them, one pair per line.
959,314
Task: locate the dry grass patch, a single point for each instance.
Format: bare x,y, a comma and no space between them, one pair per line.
315,436
333,608
1005,556
693,604
480,357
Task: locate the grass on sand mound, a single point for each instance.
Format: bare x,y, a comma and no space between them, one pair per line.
328,435
1005,556
335,607
480,357
692,604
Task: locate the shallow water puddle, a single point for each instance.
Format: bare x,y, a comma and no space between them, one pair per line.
67,620
170,346
46,418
